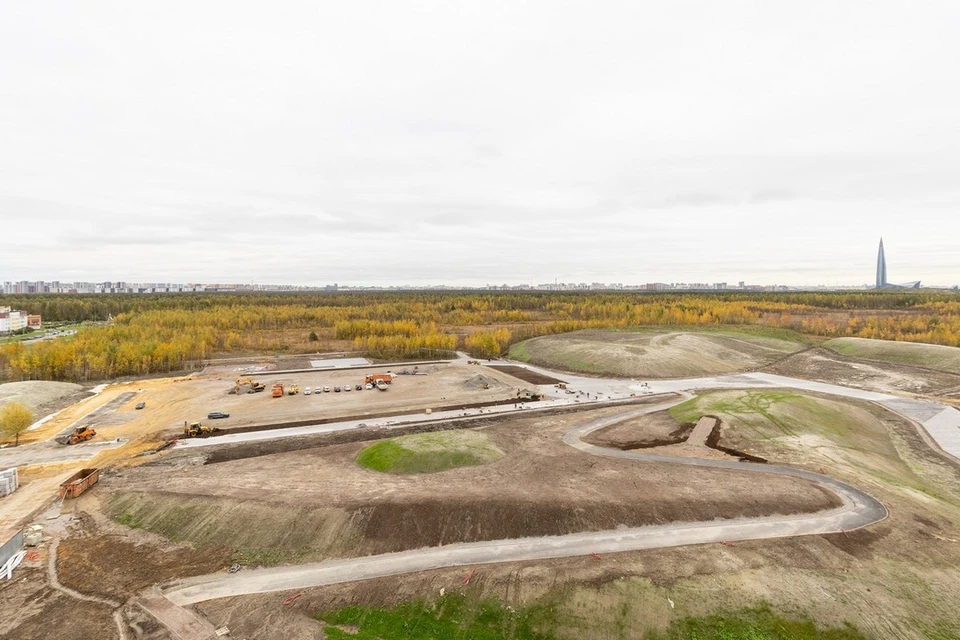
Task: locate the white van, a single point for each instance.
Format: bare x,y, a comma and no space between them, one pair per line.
306,391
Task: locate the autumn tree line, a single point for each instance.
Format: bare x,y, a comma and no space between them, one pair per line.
147,334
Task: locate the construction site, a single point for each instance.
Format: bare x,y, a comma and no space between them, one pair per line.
244,500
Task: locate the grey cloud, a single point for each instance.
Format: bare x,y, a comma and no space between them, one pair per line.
549,140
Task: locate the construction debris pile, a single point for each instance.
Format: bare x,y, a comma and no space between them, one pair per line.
481,381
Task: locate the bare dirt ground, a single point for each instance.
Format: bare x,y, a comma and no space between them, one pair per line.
137,560
655,354
653,429
318,503
533,377
897,579
168,405
824,365
32,610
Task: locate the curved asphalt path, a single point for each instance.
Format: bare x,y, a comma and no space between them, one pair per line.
858,509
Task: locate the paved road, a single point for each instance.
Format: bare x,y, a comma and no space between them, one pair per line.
858,510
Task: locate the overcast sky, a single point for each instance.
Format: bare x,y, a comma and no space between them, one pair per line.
467,143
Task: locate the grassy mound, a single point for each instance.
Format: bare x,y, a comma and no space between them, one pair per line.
659,353
931,356
429,452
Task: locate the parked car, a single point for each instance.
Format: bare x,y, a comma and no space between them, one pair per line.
213,415
359,387
347,387
337,389
326,389
369,386
306,391
141,405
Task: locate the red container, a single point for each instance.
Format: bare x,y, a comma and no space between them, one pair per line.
79,482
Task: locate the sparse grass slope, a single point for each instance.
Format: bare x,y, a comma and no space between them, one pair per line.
931,356
457,617
656,353
803,429
429,452
257,532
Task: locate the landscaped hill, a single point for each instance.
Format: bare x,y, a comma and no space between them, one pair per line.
658,353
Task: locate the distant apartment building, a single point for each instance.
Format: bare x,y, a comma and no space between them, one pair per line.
11,320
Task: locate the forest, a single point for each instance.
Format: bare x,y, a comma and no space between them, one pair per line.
150,334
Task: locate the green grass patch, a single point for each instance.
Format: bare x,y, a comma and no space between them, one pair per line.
519,352
453,617
457,617
429,452
759,623
128,520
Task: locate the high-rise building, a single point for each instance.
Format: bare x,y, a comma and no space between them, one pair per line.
882,274
881,268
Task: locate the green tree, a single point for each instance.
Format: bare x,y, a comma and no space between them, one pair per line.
14,420
313,336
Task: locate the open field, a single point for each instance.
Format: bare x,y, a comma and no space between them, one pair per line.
307,499
930,356
655,353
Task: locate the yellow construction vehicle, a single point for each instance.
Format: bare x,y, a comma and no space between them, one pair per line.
254,385
80,434
196,429
293,390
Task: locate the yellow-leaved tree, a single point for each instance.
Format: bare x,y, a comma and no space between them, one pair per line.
14,420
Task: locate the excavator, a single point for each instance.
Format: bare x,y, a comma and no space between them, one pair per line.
254,385
80,434
195,429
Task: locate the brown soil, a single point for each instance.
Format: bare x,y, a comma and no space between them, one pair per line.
32,610
526,375
541,487
652,430
112,564
366,434
362,416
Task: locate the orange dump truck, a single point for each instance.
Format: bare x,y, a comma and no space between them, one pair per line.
377,377
277,390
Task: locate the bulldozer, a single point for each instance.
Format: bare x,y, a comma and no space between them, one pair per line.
80,434
293,390
254,385
196,429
